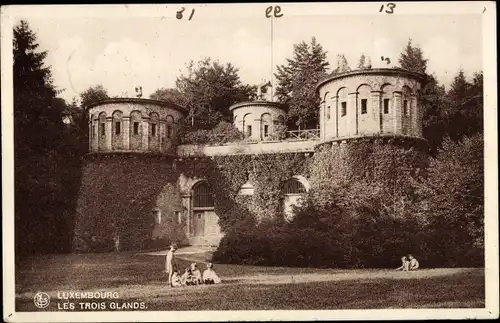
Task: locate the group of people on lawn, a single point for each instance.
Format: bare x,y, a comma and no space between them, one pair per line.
408,264
191,276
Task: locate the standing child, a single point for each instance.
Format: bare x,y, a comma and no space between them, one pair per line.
209,275
170,265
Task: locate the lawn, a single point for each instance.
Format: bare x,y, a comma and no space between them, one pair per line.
140,278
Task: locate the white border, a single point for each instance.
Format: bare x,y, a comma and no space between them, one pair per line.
216,10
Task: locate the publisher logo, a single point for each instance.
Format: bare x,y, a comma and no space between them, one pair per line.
41,300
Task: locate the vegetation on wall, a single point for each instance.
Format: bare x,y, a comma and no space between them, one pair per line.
117,196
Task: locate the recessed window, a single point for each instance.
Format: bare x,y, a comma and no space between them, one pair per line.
266,130
153,130
249,131
386,105
136,128
103,129
405,107
169,131
93,131
157,216
364,103
328,112
343,110
179,217
118,127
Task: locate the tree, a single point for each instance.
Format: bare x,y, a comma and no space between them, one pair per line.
169,95
297,82
342,65
38,134
432,96
93,94
412,59
364,62
453,200
209,89
464,106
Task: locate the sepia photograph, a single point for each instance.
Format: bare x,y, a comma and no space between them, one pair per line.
216,162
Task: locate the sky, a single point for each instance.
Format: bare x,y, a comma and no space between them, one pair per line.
124,51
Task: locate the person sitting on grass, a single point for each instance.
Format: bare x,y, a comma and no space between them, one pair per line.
209,275
404,264
413,263
196,274
187,278
176,279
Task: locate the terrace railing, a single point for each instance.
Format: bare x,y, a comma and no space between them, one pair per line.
306,134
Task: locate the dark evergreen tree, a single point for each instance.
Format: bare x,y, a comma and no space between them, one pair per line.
297,82
38,134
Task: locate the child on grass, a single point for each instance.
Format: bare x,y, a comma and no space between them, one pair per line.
405,264
209,275
176,279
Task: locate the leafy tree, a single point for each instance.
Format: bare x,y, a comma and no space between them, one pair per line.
209,89
297,82
93,94
453,200
342,65
169,95
364,63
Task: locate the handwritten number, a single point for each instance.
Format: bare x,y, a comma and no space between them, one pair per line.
390,8
180,16
277,12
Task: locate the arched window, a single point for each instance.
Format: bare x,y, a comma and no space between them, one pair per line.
247,125
102,131
265,125
135,130
202,195
154,132
117,131
293,186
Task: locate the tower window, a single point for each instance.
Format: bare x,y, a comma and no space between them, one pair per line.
103,129
363,106
136,128
153,129
118,127
328,112
169,131
266,130
343,110
157,216
93,131
405,107
249,131
386,105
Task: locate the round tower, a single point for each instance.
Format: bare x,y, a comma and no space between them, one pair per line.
258,119
371,102
133,125
128,195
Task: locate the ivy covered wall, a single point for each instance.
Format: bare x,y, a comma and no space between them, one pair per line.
117,196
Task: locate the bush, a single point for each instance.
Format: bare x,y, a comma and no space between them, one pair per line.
224,132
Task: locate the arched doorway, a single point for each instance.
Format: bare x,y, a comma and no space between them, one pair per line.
204,224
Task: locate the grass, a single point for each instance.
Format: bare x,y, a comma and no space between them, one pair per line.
141,278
